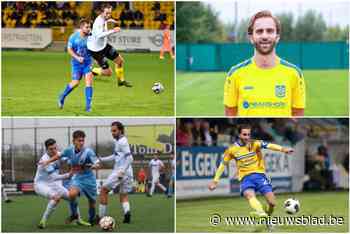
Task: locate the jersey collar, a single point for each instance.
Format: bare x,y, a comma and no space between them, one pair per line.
277,62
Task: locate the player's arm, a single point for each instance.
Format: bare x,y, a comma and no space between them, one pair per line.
230,111
62,176
94,159
107,158
98,31
297,112
231,95
52,159
74,55
275,147
128,161
220,170
298,95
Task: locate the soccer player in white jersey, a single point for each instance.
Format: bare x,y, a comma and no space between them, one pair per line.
101,50
122,174
155,165
48,181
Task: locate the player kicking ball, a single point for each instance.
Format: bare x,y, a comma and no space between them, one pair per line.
82,160
100,49
81,64
122,174
251,170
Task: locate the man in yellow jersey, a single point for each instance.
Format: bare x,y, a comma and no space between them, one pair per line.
264,85
251,170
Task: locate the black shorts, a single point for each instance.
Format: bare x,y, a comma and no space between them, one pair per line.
101,56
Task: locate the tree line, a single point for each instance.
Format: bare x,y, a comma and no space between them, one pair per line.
197,22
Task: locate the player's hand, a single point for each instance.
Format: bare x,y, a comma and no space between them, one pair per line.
287,150
212,185
80,59
116,29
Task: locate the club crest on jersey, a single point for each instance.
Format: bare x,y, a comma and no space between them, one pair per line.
280,91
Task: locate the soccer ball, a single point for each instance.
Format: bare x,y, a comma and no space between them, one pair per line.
157,88
291,206
107,223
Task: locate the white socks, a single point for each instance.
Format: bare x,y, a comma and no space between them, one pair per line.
126,207
102,210
49,209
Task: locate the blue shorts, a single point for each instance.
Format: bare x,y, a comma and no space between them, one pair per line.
80,70
86,183
256,181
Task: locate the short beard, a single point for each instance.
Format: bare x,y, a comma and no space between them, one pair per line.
263,52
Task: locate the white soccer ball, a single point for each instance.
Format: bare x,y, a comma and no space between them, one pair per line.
291,206
107,223
157,88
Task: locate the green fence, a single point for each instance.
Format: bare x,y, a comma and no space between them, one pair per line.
220,57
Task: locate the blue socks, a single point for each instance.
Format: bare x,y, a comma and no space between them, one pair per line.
92,214
88,97
73,206
66,92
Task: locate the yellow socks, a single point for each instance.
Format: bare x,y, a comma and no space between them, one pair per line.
97,71
120,73
256,205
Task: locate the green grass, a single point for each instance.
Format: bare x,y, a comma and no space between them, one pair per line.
154,214
202,93
32,81
193,216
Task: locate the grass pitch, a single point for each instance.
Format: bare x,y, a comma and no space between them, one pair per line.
201,94
32,82
154,214
193,216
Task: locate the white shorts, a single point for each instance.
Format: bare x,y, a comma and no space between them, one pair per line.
125,184
155,179
50,190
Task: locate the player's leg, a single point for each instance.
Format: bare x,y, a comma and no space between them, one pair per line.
153,185
162,187
73,194
90,191
88,90
248,187
50,208
110,183
100,59
271,202
161,53
76,76
170,186
4,195
254,203
125,188
102,211
171,53
118,60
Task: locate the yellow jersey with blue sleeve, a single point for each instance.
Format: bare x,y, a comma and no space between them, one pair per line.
248,157
264,92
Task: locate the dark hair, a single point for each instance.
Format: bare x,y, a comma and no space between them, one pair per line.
104,6
243,126
119,125
84,21
263,14
78,134
49,142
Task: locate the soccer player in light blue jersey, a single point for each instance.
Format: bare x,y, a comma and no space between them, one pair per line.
81,64
82,160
